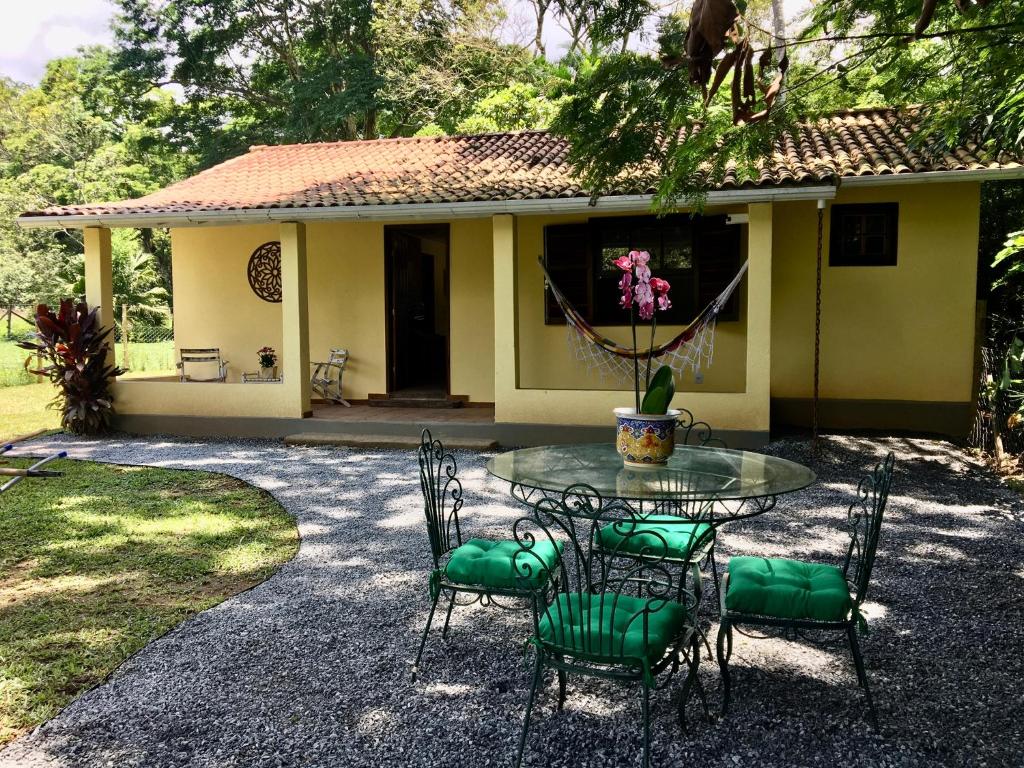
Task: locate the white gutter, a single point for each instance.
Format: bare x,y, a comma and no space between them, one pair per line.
406,211
934,177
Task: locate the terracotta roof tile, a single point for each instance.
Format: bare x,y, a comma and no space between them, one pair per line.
516,166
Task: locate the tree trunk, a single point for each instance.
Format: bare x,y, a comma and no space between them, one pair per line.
10,316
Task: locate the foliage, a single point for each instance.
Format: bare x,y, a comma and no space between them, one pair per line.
75,348
660,392
628,110
516,107
277,71
85,134
1011,260
101,561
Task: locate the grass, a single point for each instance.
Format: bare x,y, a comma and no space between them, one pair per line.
145,359
101,561
23,410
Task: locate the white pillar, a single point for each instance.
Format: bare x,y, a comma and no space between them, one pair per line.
295,318
99,281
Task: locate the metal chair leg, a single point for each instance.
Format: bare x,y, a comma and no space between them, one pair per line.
862,675
724,652
714,573
448,616
537,674
646,701
423,641
562,681
693,679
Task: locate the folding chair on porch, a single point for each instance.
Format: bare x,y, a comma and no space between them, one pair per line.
326,379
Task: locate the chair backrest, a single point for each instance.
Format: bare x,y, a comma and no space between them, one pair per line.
692,432
206,359
635,589
864,520
338,357
442,495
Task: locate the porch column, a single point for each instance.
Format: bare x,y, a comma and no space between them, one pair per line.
295,318
506,316
759,314
99,282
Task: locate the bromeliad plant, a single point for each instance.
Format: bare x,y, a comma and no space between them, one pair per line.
644,295
74,352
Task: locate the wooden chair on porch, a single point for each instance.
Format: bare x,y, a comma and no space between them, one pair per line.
205,362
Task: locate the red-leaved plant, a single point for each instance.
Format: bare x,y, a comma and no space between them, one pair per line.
73,348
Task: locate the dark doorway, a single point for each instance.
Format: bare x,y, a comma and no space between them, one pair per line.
417,310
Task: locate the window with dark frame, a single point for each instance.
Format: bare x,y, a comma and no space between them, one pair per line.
698,256
863,235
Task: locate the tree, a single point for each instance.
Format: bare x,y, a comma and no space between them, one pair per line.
714,69
278,71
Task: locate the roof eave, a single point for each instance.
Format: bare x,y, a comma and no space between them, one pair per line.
443,211
406,211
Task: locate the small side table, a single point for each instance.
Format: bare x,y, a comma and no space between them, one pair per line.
255,378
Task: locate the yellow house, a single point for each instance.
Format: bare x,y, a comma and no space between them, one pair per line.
420,257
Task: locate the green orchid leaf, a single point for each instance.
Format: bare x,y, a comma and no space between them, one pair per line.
660,393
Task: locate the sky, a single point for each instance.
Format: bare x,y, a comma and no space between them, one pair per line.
35,31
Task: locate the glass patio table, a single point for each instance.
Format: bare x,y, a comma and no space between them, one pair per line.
714,484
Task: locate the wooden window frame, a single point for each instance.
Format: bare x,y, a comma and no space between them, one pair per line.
838,257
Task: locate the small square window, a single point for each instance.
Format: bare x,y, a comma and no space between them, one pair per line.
863,235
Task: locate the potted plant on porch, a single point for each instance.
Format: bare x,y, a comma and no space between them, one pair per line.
645,433
268,363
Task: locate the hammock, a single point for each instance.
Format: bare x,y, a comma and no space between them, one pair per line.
691,348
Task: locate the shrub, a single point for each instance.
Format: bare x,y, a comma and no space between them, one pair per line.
75,348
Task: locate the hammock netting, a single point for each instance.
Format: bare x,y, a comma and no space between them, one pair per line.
692,349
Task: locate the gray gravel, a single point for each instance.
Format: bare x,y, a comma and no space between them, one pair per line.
311,667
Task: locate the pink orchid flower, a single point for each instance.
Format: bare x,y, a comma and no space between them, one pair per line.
664,302
624,263
660,286
646,310
640,258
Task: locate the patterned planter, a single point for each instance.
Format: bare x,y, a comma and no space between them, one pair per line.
645,440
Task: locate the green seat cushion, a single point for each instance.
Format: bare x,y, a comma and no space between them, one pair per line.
501,564
658,534
610,626
787,589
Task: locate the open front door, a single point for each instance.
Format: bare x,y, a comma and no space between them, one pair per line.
417,311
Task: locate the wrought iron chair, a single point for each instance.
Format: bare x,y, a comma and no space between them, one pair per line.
610,617
481,568
797,596
326,378
691,544
203,358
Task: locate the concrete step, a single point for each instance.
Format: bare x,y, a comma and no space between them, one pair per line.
351,440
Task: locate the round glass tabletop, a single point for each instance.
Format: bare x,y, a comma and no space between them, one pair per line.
692,472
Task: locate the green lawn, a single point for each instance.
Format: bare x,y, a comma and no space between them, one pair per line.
23,410
99,562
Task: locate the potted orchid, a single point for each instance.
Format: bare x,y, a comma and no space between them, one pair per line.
645,433
268,362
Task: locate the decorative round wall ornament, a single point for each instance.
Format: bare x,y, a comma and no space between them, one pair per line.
265,272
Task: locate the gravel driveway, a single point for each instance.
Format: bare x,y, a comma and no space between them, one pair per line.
311,667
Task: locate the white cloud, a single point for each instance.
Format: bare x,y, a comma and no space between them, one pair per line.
32,33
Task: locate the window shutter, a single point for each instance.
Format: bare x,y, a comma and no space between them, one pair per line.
717,248
567,255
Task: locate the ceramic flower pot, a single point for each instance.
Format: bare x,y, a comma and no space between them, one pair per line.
645,440
269,372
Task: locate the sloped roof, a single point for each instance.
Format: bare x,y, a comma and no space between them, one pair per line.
526,165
